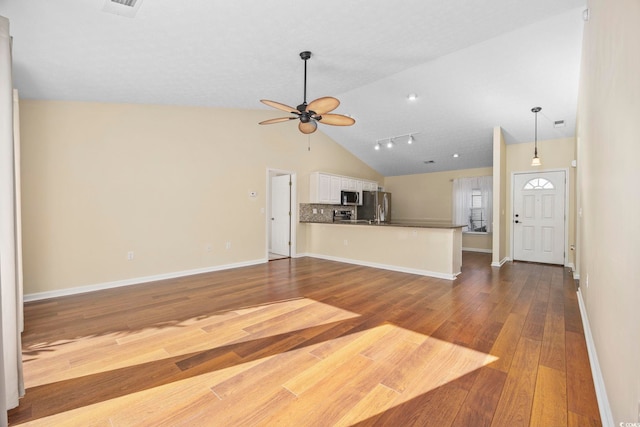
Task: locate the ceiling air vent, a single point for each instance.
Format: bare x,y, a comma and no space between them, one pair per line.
558,124
122,7
428,162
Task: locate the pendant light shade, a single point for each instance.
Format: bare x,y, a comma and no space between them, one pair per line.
536,160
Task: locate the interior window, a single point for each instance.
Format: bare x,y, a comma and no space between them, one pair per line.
477,216
472,203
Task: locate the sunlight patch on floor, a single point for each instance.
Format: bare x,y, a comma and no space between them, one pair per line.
394,364
64,360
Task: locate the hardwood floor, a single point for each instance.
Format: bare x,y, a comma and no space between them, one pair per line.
313,342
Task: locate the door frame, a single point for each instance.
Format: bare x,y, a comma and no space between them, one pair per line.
294,210
566,208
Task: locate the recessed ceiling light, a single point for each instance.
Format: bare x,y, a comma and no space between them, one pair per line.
412,97
456,155
127,8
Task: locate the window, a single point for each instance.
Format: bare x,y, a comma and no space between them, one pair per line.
477,216
539,184
473,203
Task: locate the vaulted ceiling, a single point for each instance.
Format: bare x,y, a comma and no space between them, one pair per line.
472,64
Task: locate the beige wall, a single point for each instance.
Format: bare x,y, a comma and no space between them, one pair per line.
608,148
555,154
100,180
428,197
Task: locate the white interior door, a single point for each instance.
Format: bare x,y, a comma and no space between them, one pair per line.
539,217
280,214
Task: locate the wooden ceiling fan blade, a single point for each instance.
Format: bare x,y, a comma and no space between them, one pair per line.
309,127
278,120
280,106
336,120
323,105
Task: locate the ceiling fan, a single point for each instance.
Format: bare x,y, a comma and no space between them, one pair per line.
312,113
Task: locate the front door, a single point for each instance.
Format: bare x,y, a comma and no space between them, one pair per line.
280,214
539,217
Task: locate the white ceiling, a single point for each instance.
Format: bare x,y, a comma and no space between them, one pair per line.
474,64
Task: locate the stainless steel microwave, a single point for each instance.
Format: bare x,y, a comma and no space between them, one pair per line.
349,198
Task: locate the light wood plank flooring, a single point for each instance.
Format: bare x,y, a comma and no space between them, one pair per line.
308,342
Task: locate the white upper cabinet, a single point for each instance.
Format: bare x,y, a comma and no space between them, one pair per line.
369,186
325,187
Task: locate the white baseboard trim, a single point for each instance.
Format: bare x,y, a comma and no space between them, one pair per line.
596,373
137,280
484,251
576,275
501,263
384,266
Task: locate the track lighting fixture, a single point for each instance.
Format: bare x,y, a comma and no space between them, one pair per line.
391,140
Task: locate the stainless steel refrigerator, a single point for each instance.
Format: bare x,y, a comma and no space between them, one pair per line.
375,204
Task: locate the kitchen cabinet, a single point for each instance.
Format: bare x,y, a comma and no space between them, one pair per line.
369,186
334,193
348,184
326,187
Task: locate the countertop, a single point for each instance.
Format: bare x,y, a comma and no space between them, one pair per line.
364,222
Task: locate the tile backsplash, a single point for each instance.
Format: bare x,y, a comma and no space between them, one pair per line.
314,212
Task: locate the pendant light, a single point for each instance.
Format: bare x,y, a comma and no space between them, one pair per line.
536,160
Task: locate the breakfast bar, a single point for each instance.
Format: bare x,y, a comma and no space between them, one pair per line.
428,249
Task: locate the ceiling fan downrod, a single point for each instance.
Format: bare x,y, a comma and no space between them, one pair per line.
305,56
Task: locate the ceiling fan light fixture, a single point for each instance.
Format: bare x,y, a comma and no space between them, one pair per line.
308,127
536,160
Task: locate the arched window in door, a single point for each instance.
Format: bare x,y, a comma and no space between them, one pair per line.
539,184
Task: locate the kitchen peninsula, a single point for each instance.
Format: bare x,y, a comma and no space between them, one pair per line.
428,249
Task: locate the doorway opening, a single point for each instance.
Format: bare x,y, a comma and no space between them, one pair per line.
281,212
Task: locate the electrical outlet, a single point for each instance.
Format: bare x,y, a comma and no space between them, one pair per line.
130,256
208,247
227,245
346,242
